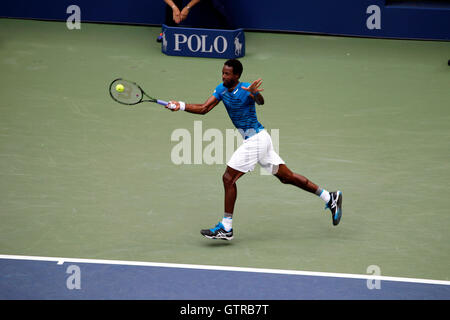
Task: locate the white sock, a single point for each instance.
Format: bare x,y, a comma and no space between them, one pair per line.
227,223
325,195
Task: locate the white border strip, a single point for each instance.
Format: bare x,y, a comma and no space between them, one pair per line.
61,261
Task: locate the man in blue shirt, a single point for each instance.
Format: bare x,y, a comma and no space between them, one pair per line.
239,99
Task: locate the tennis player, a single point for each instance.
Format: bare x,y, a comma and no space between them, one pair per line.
239,99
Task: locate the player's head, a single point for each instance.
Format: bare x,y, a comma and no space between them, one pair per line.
231,72
236,65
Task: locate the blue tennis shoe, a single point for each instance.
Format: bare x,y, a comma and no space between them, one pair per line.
335,206
218,232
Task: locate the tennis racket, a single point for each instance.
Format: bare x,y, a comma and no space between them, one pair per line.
131,94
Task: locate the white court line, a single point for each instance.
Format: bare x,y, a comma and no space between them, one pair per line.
60,261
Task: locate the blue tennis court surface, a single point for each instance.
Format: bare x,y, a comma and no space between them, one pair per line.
61,278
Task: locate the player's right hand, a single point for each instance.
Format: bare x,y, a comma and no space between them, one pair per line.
173,105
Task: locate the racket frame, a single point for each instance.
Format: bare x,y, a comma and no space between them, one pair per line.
143,93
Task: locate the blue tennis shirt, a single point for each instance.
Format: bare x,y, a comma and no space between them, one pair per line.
240,107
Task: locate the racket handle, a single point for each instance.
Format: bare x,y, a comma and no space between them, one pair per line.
162,102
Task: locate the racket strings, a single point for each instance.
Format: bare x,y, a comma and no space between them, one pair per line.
131,93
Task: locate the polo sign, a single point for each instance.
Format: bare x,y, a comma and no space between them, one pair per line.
205,43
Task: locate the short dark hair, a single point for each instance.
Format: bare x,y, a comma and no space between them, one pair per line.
236,65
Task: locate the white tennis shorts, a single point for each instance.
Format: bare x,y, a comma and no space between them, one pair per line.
256,149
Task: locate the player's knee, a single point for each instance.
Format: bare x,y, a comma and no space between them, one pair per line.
285,179
227,180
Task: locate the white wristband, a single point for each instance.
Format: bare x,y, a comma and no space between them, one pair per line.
182,105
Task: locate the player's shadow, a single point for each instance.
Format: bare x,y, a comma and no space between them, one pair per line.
214,243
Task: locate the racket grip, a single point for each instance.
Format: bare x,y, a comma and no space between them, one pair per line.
162,102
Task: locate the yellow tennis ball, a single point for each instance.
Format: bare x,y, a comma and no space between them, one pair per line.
119,88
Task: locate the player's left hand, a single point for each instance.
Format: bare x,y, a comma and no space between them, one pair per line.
254,87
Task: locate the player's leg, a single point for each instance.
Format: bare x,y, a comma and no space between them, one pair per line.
224,229
243,160
333,200
286,176
273,163
229,179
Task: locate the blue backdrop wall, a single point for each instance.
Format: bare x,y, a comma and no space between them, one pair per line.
369,18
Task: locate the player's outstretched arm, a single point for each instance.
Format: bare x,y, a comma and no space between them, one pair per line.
255,91
203,108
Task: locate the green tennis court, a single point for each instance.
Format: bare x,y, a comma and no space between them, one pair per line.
82,176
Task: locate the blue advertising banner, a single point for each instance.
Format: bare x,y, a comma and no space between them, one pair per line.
205,43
